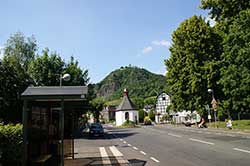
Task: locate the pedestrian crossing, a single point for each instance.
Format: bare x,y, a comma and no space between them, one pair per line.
103,156
115,156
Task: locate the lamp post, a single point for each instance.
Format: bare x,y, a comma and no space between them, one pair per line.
65,77
214,105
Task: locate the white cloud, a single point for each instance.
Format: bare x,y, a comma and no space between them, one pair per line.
163,43
211,21
147,50
160,43
1,52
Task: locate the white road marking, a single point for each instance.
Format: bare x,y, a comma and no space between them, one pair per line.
154,159
129,144
143,153
174,135
124,142
135,148
241,150
121,139
115,151
204,142
218,134
118,155
103,152
104,155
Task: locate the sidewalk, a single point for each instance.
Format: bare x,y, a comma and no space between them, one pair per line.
95,152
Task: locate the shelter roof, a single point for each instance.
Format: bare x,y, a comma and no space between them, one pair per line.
55,92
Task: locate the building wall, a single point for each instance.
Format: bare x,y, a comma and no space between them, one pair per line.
120,117
162,102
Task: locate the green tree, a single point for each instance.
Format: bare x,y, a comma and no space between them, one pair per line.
235,73
142,114
21,48
96,106
46,69
78,76
193,64
224,9
138,102
18,53
151,115
150,100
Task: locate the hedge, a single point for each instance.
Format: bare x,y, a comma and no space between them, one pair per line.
11,144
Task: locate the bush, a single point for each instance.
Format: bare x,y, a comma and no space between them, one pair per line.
128,123
152,115
11,138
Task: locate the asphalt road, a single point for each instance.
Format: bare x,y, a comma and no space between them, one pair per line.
177,146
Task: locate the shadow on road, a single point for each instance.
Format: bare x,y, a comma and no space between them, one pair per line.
98,161
110,133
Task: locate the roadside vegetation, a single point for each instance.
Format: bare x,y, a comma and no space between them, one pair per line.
205,56
11,137
236,124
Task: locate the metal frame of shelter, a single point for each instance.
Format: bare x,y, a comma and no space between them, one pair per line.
44,99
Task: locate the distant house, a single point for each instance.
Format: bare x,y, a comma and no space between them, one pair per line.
126,110
108,113
162,102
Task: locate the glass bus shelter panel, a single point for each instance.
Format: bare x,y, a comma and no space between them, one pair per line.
43,136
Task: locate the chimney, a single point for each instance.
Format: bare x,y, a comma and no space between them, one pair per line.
125,92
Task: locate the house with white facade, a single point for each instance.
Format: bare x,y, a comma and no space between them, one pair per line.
126,110
162,102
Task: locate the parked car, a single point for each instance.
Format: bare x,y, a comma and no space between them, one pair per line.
95,130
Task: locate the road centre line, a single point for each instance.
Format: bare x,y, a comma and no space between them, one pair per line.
121,139
241,150
129,144
154,159
124,142
135,148
143,153
174,135
200,141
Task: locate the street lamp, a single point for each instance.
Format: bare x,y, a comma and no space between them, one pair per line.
214,105
65,77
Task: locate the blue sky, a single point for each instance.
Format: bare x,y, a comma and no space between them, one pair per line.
102,35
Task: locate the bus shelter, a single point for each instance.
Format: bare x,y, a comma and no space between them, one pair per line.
50,118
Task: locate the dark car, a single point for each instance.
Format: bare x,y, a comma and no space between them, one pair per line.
95,130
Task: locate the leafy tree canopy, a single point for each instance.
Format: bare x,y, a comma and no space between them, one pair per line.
236,64
193,64
224,9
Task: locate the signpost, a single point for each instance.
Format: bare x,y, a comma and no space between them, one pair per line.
214,105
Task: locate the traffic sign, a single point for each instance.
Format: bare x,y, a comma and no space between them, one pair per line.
214,104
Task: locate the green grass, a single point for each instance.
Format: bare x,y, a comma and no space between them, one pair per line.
237,124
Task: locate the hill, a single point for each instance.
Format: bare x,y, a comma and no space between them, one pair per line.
140,83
